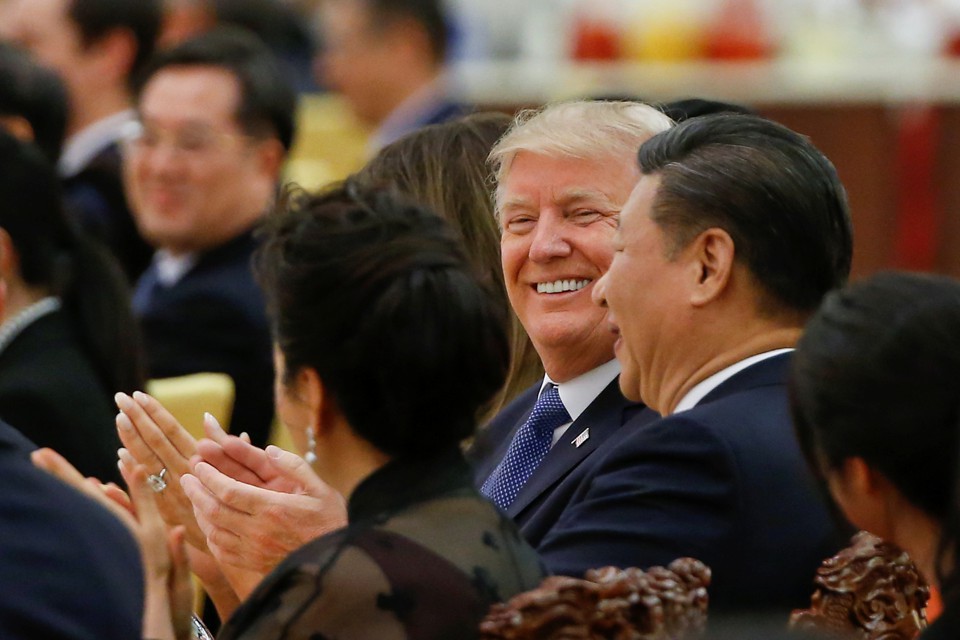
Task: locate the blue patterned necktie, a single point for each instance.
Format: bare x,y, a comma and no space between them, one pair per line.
529,446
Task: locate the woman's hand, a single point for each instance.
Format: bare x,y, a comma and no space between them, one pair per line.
250,528
152,437
169,591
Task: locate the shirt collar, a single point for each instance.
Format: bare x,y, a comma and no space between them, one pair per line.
84,145
705,386
14,326
171,268
577,394
414,108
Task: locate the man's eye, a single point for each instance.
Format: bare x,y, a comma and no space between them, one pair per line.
520,223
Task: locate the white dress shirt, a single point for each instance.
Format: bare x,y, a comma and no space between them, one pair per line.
705,386
577,394
83,146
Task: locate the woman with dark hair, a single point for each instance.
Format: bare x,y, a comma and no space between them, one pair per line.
876,403
444,166
386,347
67,339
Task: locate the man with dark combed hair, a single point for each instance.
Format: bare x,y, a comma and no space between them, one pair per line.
736,230
97,47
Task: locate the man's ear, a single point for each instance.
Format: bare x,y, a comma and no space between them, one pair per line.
116,51
270,157
863,494
19,127
9,267
9,258
711,255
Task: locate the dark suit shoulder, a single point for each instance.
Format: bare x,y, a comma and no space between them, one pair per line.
68,567
50,391
724,482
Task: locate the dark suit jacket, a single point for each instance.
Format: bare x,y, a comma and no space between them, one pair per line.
724,482
51,392
548,492
96,198
213,319
69,570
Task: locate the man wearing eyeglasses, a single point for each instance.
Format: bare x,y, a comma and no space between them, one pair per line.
202,163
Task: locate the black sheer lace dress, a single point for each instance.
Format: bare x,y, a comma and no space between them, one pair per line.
423,557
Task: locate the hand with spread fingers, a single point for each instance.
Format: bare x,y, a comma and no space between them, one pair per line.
169,591
250,528
151,436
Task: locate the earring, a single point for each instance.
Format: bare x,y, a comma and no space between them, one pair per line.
311,455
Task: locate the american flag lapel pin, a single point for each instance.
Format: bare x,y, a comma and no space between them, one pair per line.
580,439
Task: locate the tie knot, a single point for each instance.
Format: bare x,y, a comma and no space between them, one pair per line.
548,413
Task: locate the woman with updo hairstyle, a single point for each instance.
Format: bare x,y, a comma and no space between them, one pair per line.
875,391
68,341
386,346
444,166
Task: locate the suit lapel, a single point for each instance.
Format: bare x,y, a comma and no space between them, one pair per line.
603,417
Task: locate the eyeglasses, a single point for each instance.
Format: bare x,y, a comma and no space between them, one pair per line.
190,141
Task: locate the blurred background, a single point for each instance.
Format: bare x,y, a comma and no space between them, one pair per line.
874,83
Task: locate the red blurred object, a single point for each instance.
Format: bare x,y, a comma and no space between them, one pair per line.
934,605
918,215
595,39
739,32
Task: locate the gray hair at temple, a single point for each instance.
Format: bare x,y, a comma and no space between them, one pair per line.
585,129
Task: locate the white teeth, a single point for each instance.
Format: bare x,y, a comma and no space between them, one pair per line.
560,286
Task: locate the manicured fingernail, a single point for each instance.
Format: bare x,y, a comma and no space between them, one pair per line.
140,396
122,400
274,452
123,422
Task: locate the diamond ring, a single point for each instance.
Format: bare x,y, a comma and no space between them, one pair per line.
156,481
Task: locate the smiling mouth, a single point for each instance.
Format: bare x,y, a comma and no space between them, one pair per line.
561,286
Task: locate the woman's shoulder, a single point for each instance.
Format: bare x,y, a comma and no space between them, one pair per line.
402,577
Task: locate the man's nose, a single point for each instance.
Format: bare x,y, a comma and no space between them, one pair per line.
549,239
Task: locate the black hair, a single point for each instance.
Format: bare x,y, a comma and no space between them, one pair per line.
36,94
267,100
778,197
875,376
376,294
55,256
95,18
686,108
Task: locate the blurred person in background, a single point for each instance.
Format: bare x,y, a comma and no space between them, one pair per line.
202,166
282,27
386,59
97,47
68,341
33,101
874,393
